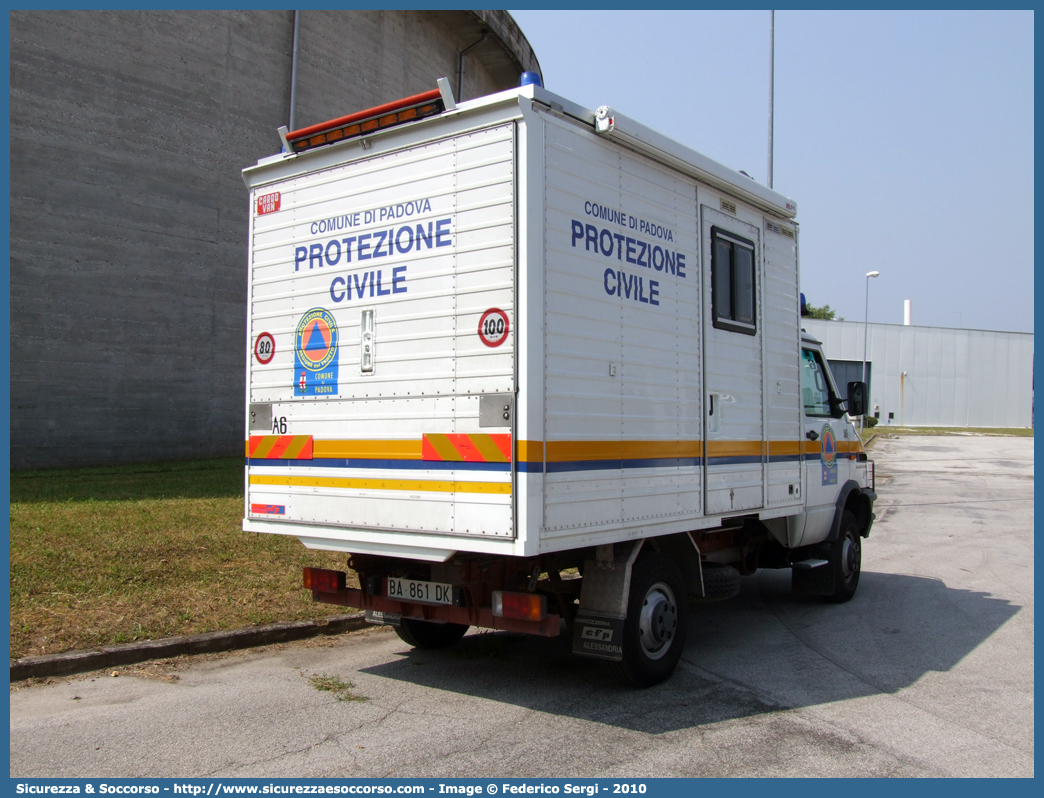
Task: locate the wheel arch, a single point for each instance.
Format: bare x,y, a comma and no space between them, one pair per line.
681,548
857,500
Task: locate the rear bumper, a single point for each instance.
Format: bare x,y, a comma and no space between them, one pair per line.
550,626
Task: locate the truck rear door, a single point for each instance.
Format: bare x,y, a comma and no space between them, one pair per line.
382,340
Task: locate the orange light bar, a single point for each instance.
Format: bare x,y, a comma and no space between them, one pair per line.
418,106
324,580
523,606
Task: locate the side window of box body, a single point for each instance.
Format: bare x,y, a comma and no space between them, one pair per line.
733,282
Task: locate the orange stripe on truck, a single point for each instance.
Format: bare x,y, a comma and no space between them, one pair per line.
734,448
531,451
461,448
850,446
573,451
280,447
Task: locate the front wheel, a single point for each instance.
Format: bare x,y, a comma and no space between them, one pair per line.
656,623
847,559
424,634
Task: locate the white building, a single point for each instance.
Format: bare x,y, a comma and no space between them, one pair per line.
934,376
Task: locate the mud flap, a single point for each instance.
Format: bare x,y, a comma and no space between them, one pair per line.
599,625
598,635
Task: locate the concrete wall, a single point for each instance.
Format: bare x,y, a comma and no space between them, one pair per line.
129,216
939,376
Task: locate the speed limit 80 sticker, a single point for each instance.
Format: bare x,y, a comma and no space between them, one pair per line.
264,348
493,327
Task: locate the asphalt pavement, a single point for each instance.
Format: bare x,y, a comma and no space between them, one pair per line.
928,671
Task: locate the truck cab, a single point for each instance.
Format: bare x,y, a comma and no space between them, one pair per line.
835,465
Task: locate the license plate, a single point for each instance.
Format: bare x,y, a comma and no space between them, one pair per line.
421,592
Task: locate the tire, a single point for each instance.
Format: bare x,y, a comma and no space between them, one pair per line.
846,559
657,621
720,581
424,634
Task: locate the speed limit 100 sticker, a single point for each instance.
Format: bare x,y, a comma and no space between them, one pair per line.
493,327
264,348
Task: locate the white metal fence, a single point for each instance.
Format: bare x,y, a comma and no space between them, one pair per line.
938,376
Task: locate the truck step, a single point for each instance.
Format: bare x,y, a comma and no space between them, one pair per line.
806,565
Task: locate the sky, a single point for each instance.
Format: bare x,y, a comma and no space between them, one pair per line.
906,138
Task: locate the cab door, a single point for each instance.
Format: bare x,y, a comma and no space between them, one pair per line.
821,463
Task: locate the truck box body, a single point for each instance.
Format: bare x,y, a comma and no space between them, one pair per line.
495,331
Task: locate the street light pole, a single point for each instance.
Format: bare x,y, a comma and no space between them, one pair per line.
866,326
772,88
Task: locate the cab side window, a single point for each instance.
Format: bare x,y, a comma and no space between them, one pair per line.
815,389
733,297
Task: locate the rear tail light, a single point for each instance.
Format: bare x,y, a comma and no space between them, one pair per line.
523,606
323,580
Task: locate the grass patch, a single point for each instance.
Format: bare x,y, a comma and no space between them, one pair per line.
113,555
187,479
342,690
1004,432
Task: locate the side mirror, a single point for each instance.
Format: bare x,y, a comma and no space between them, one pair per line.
857,398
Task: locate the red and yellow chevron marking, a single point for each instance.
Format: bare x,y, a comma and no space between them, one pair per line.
280,447
460,448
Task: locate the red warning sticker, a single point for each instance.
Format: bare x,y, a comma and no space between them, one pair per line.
267,509
268,203
493,327
264,348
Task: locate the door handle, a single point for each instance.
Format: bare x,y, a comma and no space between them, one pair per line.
812,435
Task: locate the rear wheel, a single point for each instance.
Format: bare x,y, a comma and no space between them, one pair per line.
424,634
657,620
847,559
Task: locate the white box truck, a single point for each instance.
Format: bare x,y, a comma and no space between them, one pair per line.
538,368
